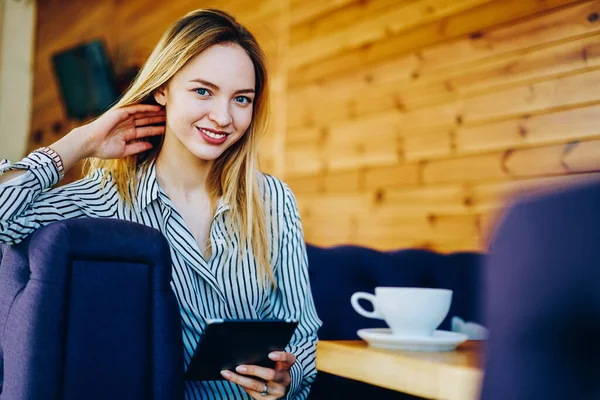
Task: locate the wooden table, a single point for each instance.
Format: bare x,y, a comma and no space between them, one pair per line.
452,375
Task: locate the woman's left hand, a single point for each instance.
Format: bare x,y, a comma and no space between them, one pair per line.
271,383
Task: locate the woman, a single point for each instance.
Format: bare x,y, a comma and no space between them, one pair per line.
199,107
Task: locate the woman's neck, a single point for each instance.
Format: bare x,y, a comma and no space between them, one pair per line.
178,170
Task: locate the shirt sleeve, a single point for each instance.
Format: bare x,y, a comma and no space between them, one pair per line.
28,202
293,300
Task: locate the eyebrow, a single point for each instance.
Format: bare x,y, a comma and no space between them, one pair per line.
215,87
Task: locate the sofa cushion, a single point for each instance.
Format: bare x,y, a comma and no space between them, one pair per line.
338,272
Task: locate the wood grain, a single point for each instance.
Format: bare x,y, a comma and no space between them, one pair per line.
453,375
397,123
470,23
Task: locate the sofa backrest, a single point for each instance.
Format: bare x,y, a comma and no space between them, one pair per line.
338,272
87,311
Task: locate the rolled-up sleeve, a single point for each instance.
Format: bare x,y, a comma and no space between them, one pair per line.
293,299
28,201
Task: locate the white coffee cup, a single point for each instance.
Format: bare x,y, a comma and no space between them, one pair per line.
407,311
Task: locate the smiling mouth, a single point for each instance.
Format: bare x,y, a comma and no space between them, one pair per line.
212,134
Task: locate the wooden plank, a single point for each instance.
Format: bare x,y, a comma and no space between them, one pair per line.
561,59
389,84
343,182
561,92
305,185
342,101
49,116
444,218
304,136
398,20
552,93
427,146
340,18
458,245
582,156
473,20
565,23
329,220
303,160
413,232
399,175
85,22
465,169
335,206
373,154
575,124
489,197
535,57
304,11
566,91
328,232
515,69
380,127
541,161
431,228
422,201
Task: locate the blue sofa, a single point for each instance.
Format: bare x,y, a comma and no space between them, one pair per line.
87,312
337,272
128,336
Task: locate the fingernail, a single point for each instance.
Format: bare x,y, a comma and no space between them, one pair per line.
241,369
226,374
274,356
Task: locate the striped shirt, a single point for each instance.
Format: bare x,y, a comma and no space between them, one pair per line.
223,287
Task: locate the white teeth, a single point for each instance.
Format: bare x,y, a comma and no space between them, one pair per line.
212,134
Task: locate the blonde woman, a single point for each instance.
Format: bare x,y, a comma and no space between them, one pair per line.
199,106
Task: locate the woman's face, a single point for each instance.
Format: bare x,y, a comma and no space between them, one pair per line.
209,102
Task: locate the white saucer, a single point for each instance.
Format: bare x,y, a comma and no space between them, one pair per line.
384,339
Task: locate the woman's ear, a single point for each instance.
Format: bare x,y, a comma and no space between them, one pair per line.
160,96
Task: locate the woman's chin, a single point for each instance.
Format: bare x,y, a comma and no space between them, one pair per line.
207,154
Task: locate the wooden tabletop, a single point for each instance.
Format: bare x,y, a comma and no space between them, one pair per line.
452,375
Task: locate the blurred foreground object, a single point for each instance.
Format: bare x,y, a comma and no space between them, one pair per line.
542,282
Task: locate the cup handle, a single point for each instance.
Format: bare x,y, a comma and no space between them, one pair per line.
356,297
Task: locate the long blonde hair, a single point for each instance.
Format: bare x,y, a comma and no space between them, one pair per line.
234,175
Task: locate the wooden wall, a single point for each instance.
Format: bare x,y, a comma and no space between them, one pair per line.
131,29
410,121
397,123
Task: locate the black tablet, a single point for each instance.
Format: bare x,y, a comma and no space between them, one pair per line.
225,344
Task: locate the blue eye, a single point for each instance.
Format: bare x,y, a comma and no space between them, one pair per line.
202,92
243,100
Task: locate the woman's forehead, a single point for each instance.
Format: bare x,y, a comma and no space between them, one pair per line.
227,66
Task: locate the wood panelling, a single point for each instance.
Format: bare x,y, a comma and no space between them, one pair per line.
439,120
471,22
130,30
397,123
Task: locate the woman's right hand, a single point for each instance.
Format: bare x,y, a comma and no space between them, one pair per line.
112,135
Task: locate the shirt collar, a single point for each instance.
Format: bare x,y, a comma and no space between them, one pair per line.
148,189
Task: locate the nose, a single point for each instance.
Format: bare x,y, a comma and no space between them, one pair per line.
220,114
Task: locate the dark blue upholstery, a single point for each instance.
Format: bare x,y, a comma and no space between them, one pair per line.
87,312
86,309
542,287
337,272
